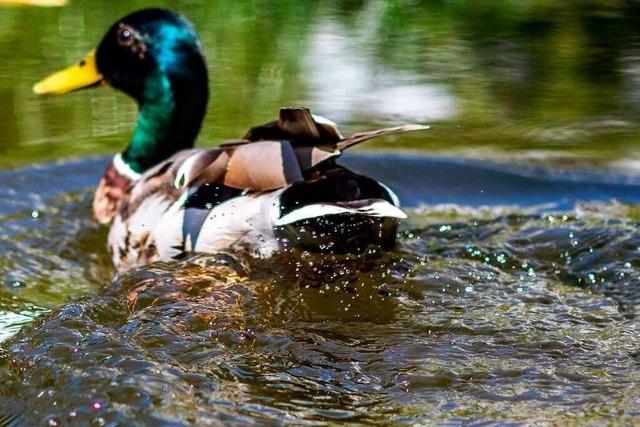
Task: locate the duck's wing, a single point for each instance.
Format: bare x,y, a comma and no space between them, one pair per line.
275,154
254,166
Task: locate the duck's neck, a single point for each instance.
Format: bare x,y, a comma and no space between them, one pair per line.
169,119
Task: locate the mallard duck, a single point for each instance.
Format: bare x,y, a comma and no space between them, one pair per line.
278,187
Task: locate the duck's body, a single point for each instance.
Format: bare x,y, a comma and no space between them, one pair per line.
277,188
258,195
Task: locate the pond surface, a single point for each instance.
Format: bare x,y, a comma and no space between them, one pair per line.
514,291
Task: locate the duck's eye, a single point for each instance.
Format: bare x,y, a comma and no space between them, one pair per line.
132,39
126,35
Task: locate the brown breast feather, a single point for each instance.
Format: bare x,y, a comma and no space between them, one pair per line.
111,191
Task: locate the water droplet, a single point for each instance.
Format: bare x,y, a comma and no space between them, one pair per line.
17,284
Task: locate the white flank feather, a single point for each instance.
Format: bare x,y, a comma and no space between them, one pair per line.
378,208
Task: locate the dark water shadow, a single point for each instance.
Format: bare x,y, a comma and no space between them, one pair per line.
420,180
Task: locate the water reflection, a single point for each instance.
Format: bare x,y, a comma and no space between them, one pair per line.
357,88
495,78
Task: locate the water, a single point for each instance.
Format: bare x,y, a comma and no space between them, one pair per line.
514,291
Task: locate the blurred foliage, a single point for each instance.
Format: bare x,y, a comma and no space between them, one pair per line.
540,77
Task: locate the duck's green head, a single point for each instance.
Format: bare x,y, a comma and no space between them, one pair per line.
155,56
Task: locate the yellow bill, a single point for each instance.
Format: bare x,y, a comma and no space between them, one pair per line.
80,75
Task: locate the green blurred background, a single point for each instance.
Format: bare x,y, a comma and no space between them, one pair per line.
539,80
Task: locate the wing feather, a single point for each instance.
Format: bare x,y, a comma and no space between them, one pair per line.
271,156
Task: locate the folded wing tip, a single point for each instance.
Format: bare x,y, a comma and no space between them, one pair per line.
412,127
